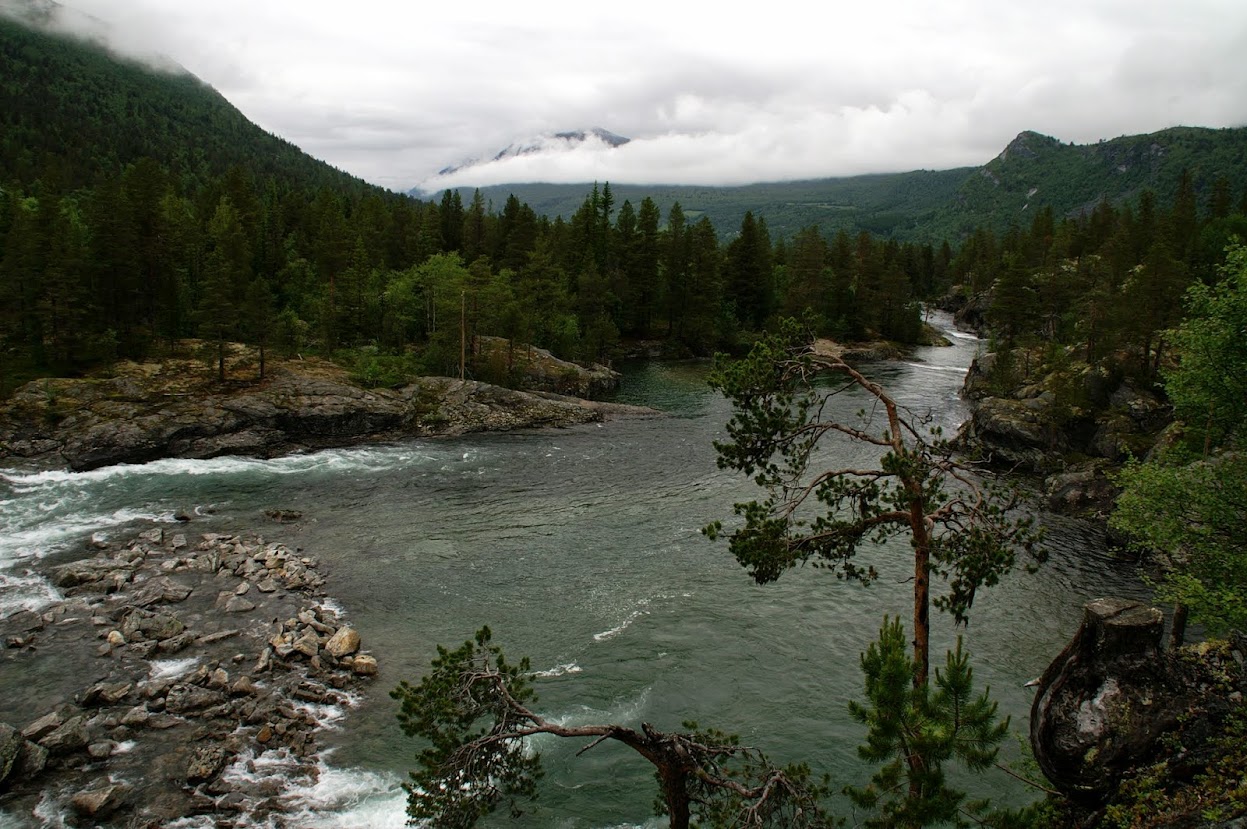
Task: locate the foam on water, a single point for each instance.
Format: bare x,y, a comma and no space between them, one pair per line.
930,367
559,670
327,797
46,512
611,633
172,668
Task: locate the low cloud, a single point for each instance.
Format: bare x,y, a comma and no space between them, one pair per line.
394,92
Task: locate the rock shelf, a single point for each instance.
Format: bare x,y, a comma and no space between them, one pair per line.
182,662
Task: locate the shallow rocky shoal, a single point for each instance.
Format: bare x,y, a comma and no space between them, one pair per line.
183,662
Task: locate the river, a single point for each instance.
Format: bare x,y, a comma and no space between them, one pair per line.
580,548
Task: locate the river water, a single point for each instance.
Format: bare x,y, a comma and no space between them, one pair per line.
580,548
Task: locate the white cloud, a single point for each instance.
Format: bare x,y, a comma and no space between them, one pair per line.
394,91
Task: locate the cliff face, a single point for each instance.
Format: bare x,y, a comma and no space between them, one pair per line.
156,410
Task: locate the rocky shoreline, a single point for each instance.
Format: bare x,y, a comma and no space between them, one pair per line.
184,663
144,412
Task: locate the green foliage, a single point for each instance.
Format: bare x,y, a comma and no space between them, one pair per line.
1208,387
1155,798
1194,515
1192,512
916,731
472,711
825,516
468,768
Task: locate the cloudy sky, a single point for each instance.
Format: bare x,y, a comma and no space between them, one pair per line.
394,90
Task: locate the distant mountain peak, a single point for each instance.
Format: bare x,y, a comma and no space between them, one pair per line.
550,142
1027,145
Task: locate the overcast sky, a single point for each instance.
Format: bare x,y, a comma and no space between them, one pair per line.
394,90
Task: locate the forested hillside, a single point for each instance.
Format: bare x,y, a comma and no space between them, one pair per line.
1033,172
70,109
887,204
140,209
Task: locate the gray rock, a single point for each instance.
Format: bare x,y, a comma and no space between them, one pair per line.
308,644
44,726
68,738
186,698
11,742
91,571
155,535
31,762
177,644
101,802
205,763
219,636
136,717
239,604
1105,700
24,621
142,624
101,750
106,693
160,590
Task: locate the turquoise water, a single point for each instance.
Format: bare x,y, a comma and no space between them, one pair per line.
580,548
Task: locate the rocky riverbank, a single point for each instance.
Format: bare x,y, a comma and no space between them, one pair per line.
184,677
1069,422
174,408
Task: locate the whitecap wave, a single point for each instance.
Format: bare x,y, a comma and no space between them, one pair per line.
621,627
559,670
931,367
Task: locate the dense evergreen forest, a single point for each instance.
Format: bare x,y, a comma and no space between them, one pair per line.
139,209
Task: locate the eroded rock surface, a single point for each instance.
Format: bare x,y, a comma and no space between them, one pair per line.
1105,703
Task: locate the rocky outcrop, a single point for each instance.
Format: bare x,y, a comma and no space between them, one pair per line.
144,414
148,739
1071,423
536,369
1107,703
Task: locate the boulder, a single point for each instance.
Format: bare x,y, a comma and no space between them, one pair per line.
31,762
106,693
342,643
11,743
364,665
44,726
141,624
160,590
205,763
100,802
1083,488
1105,700
68,738
185,698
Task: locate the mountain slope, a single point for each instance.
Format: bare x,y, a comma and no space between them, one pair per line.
1035,171
1032,172
70,109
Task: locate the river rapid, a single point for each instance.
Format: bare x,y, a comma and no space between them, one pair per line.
579,548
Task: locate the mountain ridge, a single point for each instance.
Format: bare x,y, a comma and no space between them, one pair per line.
1031,172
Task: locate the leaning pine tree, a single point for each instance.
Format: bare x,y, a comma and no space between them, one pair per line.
474,710
960,531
